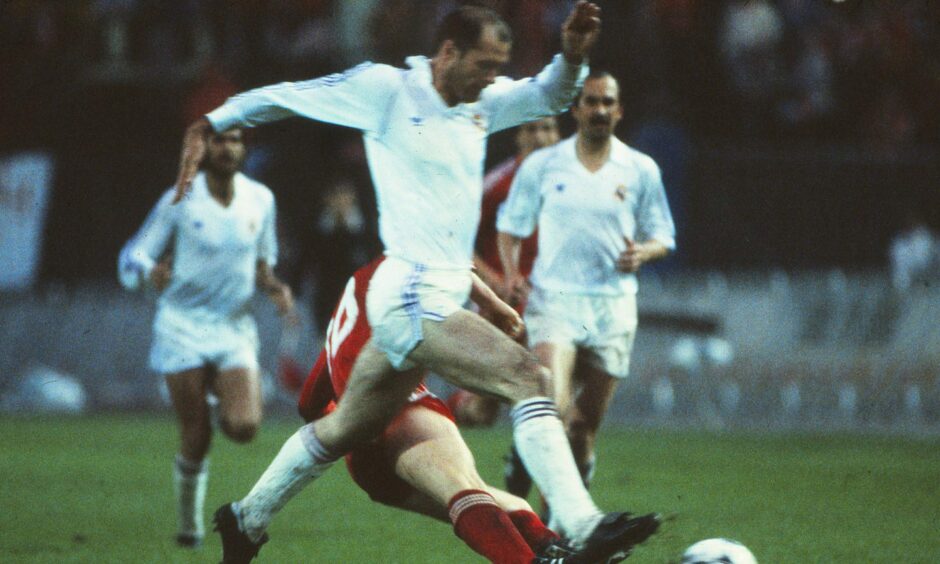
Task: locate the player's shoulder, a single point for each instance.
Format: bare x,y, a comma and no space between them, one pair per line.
370,77
552,155
253,185
378,75
166,198
379,71
259,193
632,157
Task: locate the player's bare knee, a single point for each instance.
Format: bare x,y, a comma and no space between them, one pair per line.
195,450
529,378
240,430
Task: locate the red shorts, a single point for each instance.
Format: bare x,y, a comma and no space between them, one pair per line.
372,467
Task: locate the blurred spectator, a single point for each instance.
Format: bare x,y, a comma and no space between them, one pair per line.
750,41
351,26
914,253
889,126
399,28
341,242
137,40
809,100
299,35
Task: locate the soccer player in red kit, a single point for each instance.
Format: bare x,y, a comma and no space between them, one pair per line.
421,463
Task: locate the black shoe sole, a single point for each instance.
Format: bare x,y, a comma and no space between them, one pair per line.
636,531
237,548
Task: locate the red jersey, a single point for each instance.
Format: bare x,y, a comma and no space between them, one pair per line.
372,466
496,186
346,335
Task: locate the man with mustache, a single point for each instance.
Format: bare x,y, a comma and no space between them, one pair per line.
601,213
206,258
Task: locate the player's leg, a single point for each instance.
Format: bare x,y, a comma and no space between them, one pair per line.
602,362
430,455
473,354
473,410
240,404
374,394
190,470
584,419
559,358
527,522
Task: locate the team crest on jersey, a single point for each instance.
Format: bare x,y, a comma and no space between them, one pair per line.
417,120
621,193
479,121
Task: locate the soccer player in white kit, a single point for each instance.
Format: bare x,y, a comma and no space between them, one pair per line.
601,213
223,245
425,131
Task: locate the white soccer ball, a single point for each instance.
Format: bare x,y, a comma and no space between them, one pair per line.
718,551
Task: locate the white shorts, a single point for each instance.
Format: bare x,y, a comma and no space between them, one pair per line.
602,327
401,294
182,344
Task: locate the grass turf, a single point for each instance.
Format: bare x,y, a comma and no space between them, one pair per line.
98,489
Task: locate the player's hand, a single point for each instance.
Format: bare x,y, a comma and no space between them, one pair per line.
515,289
161,274
580,31
631,259
283,300
501,315
194,149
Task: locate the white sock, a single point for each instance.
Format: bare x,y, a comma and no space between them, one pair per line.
540,439
189,483
302,459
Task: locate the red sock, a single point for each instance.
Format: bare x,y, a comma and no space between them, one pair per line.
487,529
532,529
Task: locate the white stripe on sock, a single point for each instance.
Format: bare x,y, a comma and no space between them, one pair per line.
467,502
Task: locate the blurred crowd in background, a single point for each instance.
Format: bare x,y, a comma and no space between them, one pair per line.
107,86
798,141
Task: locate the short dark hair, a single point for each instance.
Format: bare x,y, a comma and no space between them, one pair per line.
596,74
464,26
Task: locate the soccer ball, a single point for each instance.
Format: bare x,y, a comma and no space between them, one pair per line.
718,551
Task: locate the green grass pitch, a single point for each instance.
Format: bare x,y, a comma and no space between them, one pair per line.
98,489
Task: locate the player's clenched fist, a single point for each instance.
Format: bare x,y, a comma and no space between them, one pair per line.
580,31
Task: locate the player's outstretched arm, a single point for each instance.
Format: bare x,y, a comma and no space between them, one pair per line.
516,287
580,31
495,310
194,149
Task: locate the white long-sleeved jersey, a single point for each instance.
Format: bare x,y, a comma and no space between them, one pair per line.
215,251
583,217
426,158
